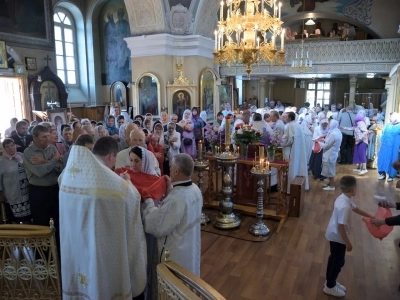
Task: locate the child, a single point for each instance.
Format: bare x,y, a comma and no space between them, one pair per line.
361,140
337,234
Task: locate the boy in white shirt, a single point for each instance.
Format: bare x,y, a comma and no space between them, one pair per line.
337,234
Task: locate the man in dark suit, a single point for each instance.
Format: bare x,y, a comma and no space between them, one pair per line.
174,118
21,138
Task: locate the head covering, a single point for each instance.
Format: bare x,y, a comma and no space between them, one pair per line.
183,115
84,120
111,129
333,125
121,132
147,160
308,119
203,115
359,117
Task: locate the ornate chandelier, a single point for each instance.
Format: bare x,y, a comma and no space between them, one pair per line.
302,63
237,39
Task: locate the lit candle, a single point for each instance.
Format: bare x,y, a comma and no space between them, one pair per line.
283,39
258,42
238,149
227,131
261,152
273,40
279,14
219,41
216,40
221,12
262,5
200,149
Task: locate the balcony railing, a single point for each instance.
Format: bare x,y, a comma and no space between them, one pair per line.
341,57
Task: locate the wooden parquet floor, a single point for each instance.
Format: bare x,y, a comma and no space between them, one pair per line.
292,264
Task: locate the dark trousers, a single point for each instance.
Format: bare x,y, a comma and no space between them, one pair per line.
335,263
346,149
44,204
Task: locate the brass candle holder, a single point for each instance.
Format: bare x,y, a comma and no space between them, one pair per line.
260,171
226,219
200,165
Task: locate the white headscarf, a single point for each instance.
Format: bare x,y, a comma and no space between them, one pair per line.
183,115
203,115
333,125
147,161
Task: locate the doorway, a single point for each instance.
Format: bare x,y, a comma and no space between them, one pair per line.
11,102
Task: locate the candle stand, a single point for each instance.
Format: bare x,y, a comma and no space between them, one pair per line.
200,165
259,228
226,219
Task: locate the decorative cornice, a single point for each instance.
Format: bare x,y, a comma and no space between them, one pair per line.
167,44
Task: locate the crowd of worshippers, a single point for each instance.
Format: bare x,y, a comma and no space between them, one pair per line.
87,175
315,139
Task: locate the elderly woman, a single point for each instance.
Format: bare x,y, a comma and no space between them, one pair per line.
172,144
14,185
157,149
188,141
99,131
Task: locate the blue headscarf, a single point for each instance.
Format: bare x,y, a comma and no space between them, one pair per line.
113,129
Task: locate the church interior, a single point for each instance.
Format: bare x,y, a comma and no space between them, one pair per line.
83,58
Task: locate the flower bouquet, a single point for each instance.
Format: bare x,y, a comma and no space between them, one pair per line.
211,136
275,141
245,134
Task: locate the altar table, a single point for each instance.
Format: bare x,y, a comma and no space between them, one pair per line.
245,189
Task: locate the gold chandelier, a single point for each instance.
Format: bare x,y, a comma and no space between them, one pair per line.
237,38
302,63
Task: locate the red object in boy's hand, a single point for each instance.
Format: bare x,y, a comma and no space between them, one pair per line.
381,231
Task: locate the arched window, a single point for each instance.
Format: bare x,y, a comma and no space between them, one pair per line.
66,54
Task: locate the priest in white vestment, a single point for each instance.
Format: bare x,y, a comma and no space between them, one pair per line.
294,150
103,247
176,223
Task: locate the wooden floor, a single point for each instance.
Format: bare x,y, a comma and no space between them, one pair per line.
292,264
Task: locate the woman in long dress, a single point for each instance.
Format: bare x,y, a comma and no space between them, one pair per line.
316,154
172,144
14,185
188,141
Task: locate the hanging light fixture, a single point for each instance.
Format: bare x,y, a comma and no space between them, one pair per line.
302,62
237,40
310,22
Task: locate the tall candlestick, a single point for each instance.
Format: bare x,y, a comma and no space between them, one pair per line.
216,38
261,152
227,131
200,149
221,12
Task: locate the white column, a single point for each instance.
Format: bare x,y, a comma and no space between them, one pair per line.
271,89
353,86
262,92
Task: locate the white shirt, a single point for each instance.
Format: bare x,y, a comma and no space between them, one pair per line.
342,209
123,160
